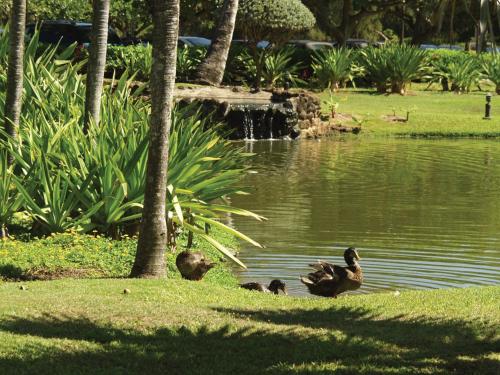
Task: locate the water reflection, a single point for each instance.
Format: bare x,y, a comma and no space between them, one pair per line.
424,214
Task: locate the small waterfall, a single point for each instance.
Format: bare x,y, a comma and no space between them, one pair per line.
270,119
251,122
248,125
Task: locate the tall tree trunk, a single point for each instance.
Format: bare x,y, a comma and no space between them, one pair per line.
149,260
15,75
452,21
211,70
346,25
97,61
483,25
492,31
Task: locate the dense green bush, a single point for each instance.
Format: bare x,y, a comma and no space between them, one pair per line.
454,70
279,67
127,17
405,63
273,21
491,68
95,181
375,62
333,68
138,59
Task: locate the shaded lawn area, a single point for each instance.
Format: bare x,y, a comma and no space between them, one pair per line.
180,327
432,113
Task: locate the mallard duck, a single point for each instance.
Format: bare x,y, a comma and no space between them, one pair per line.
193,265
330,280
274,287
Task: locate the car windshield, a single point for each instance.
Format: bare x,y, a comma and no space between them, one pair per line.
82,35
198,41
66,34
317,46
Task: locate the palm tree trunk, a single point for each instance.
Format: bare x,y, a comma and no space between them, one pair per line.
13,98
149,260
483,24
211,70
97,61
452,21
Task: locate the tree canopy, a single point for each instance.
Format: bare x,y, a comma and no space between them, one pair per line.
273,20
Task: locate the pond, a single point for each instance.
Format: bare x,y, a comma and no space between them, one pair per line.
422,213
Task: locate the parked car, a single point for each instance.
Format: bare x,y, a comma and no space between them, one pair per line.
310,45
428,46
194,41
303,52
450,47
67,32
242,42
357,43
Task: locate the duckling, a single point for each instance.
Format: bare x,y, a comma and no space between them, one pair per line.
193,265
330,280
274,287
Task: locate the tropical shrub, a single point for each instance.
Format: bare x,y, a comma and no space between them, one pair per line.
279,68
491,69
405,63
333,68
458,72
138,59
188,59
95,182
376,67
10,199
452,69
273,21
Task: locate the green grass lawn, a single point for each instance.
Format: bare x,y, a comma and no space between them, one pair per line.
180,327
432,113
85,256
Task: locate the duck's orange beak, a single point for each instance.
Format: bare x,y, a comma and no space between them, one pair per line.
357,256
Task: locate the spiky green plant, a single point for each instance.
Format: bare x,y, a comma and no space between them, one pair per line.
278,67
491,69
188,59
376,65
333,67
404,64
10,199
69,180
459,73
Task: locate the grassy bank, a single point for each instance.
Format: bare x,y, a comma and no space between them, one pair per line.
180,327
86,256
432,113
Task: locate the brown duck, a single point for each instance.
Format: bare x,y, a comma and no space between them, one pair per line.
330,280
274,287
193,266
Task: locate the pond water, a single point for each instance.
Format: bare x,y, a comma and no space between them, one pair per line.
422,213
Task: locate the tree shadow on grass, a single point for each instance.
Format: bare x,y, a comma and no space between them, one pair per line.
449,345
344,341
